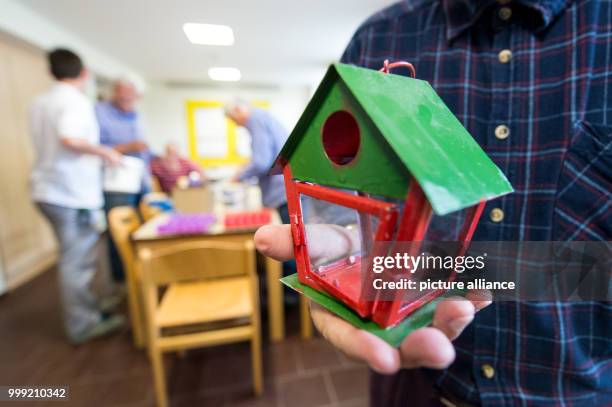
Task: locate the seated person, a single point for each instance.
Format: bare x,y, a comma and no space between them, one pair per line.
169,167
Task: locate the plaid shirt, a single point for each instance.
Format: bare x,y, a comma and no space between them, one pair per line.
532,82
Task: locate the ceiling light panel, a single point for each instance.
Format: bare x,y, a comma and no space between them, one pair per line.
209,34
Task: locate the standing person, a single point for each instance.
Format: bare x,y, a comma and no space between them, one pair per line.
67,187
267,139
121,129
168,168
530,80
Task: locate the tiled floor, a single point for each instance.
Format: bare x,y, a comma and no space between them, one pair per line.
110,372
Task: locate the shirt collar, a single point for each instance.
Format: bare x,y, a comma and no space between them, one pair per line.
110,106
63,86
462,14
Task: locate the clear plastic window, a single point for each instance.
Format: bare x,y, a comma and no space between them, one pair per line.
340,243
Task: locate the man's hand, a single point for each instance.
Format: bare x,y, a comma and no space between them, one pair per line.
82,146
110,156
426,347
131,147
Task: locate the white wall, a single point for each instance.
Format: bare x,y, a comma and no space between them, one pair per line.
26,24
164,112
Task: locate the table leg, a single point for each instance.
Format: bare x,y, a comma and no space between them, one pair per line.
276,310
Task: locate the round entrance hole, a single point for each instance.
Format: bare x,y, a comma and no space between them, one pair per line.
341,137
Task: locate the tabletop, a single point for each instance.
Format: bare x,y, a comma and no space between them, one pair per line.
149,230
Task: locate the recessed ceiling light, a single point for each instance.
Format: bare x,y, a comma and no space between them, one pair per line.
225,74
209,34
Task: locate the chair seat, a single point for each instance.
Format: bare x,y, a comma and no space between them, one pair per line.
205,301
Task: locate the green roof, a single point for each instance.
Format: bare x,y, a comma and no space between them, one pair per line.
451,168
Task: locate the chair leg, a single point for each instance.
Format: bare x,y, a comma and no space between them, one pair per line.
305,321
159,379
135,313
257,364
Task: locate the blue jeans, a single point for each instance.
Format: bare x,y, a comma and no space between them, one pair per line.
79,243
111,200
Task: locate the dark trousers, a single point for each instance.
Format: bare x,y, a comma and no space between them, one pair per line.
410,387
283,211
406,388
111,200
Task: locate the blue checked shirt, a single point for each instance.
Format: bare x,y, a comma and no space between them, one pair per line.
119,127
532,82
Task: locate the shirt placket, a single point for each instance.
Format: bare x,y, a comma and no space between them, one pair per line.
485,369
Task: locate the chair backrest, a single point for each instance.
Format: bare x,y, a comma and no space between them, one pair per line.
122,222
191,261
155,187
147,211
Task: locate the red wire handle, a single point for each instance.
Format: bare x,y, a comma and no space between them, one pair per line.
388,66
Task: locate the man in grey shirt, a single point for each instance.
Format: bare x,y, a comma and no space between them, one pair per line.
267,138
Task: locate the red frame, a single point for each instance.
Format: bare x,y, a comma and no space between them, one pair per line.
386,212
413,226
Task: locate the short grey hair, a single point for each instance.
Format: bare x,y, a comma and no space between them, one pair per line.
129,80
230,107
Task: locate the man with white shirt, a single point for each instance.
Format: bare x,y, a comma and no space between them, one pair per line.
67,187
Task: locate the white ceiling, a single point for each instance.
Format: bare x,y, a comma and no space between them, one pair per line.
277,41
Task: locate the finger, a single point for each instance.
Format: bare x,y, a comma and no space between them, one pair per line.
275,241
324,241
452,315
480,298
356,343
427,347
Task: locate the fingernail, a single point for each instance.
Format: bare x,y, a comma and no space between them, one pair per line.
457,325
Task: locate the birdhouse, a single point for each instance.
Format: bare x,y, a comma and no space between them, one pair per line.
373,159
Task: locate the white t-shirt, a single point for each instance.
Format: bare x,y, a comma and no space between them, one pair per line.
61,176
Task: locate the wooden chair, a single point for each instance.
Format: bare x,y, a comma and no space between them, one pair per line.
147,211
123,221
155,186
211,297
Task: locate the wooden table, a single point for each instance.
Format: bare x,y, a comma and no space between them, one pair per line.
147,236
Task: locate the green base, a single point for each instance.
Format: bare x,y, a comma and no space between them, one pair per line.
393,335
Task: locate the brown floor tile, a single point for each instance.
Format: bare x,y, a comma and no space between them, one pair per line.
269,398
127,390
350,383
304,392
111,372
354,403
200,400
281,358
317,353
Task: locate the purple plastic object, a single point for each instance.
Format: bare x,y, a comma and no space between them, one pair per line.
187,223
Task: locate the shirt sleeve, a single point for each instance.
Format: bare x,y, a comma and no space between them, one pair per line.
190,165
104,138
353,53
262,146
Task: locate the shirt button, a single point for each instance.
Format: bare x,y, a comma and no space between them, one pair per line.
502,132
496,215
487,371
505,13
505,56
